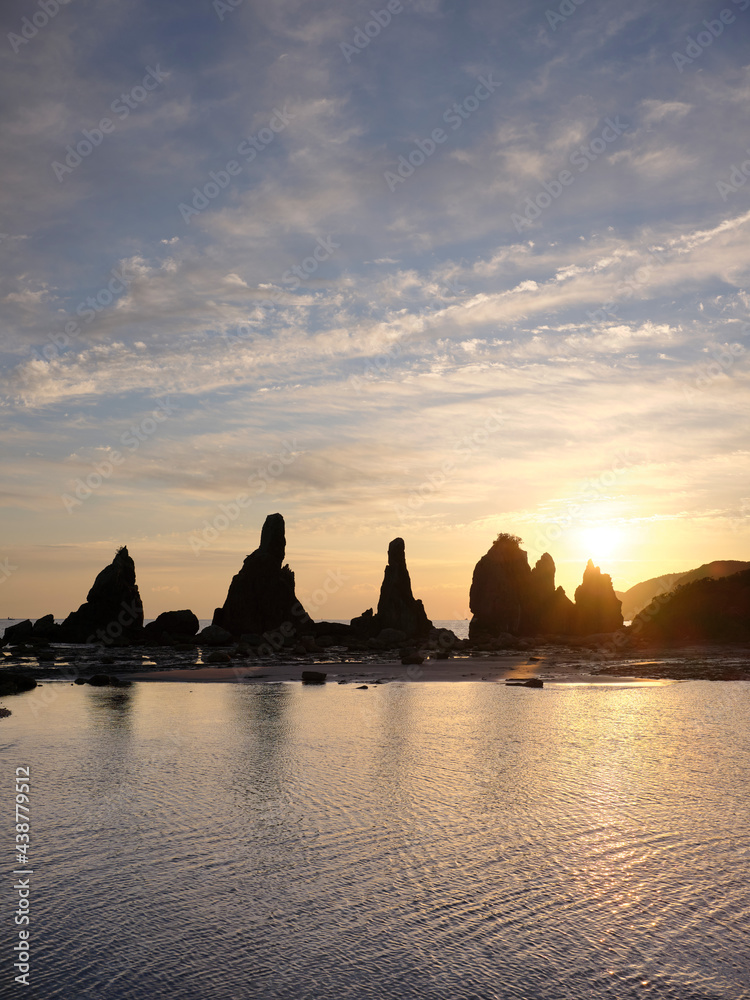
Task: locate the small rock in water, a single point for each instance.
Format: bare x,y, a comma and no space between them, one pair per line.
313,677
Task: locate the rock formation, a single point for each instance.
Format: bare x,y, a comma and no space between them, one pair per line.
597,608
499,589
549,611
261,596
398,609
507,596
113,611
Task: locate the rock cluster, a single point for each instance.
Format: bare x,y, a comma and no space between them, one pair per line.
508,597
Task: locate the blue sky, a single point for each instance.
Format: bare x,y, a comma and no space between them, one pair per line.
541,326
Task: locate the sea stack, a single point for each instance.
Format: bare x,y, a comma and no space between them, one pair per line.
397,607
261,596
113,611
597,607
507,596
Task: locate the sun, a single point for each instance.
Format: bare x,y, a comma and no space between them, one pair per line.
601,542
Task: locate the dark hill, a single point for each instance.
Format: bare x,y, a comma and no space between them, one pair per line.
702,611
642,594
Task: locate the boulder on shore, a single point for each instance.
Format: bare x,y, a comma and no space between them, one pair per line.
12,683
113,611
17,633
182,623
214,635
261,596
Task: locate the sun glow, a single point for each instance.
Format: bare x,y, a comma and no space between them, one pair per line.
601,542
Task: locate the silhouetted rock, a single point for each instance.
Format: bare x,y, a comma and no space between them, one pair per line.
106,680
597,608
261,596
217,656
398,609
45,628
548,609
182,623
702,611
18,633
313,677
499,589
397,606
508,598
215,635
389,638
12,683
113,611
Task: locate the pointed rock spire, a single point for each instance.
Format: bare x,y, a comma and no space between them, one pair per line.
597,607
397,607
261,596
113,610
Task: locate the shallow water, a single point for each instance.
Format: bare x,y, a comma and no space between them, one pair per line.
411,841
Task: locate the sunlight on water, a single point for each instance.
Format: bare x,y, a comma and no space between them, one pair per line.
410,841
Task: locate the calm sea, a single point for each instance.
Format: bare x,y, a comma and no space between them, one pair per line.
424,841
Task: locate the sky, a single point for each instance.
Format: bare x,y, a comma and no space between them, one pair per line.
426,269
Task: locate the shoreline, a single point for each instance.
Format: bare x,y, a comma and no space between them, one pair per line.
556,664
490,669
